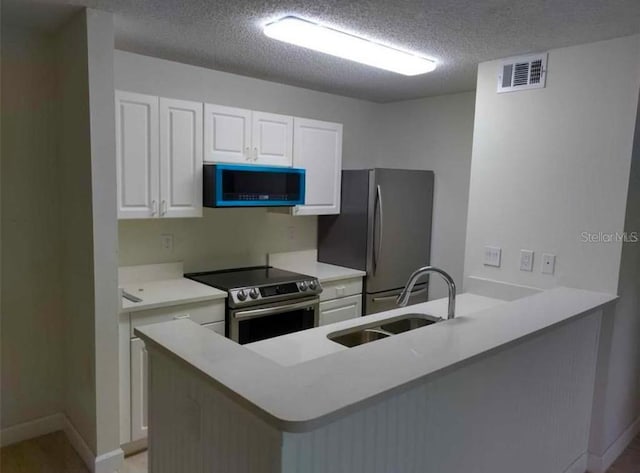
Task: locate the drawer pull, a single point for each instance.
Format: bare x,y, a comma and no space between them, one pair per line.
180,317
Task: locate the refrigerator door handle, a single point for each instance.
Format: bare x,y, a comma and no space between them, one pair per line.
378,241
395,296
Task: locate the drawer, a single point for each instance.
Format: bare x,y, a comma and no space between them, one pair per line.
342,288
200,312
338,310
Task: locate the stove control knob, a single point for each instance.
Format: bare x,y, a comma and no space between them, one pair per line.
242,295
313,285
254,293
303,286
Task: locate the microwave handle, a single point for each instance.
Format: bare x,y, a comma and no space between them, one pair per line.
249,314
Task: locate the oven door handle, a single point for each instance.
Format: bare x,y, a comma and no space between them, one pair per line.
248,314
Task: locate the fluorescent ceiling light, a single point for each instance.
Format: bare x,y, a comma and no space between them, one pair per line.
326,40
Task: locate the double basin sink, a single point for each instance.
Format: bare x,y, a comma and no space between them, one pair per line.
382,329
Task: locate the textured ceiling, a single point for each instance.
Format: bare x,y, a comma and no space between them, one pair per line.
226,35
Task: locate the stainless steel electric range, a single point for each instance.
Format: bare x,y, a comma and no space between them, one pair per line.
264,302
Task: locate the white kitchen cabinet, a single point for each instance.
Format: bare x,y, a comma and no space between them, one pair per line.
337,310
139,394
133,357
272,139
137,155
180,158
139,374
236,135
159,156
227,134
317,148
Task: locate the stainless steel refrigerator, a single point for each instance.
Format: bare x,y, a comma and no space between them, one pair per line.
384,228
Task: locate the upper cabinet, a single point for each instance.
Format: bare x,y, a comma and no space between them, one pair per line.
137,153
162,143
236,135
159,156
180,158
318,149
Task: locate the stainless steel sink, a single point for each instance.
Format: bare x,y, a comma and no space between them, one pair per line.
409,322
379,330
359,337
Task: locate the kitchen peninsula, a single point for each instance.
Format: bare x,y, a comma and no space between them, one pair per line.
488,383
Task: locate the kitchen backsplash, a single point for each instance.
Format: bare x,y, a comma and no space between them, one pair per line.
223,238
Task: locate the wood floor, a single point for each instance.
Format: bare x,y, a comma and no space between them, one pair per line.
52,453
629,461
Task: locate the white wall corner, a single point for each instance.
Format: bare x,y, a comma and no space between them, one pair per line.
109,462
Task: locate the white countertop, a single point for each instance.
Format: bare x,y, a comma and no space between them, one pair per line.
299,347
305,262
168,292
162,285
304,396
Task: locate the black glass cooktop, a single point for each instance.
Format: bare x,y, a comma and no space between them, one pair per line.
228,279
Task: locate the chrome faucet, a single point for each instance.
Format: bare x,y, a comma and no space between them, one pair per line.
403,298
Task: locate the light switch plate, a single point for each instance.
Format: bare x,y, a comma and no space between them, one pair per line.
548,263
492,256
526,260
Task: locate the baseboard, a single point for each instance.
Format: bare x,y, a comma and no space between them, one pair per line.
600,464
578,466
31,429
109,462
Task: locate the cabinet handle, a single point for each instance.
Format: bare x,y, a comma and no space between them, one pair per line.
255,154
163,208
247,154
181,317
154,208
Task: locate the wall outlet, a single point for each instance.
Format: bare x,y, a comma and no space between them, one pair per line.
548,263
492,256
166,242
526,260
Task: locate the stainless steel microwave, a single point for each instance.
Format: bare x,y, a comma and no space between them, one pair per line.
242,185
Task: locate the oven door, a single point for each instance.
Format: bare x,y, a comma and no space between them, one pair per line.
256,323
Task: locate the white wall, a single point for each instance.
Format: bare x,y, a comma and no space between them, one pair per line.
77,231
621,397
434,133
100,41
32,373
552,163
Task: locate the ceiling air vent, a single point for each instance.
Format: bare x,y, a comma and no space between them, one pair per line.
522,73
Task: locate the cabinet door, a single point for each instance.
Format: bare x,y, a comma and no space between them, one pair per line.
139,394
180,158
137,155
272,138
318,149
227,134
338,310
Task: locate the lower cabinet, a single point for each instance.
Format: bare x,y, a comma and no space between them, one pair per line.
133,359
139,384
138,390
337,310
